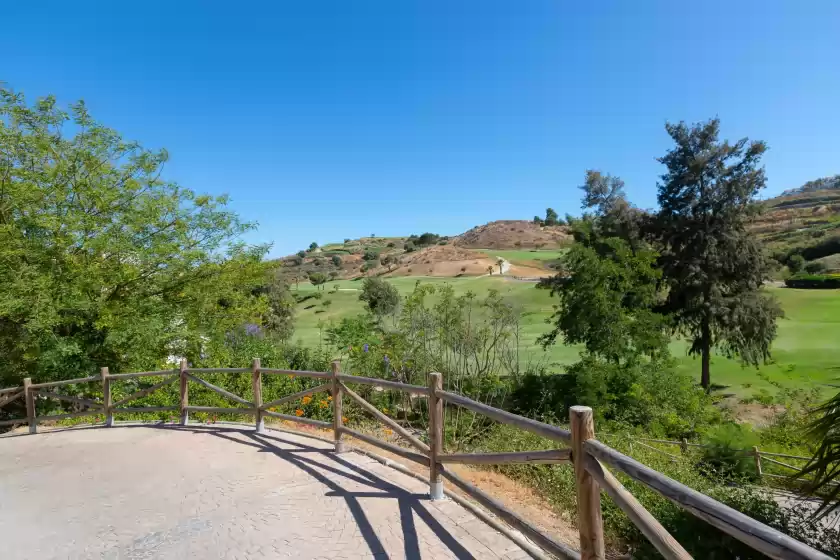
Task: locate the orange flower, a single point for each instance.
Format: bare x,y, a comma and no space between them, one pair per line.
323,404
298,412
343,419
388,431
307,399
329,398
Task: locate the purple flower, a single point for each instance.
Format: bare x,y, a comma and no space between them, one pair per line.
251,329
386,359
365,347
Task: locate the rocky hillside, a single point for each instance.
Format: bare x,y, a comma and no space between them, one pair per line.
513,234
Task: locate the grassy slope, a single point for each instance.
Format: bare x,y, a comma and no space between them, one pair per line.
804,353
525,257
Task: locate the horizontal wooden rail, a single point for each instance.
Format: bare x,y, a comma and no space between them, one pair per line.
386,420
744,528
220,370
219,390
297,373
13,421
161,373
296,396
667,546
10,390
219,410
68,398
385,384
139,409
533,426
545,457
147,391
299,419
390,447
559,549
66,382
783,455
10,398
775,462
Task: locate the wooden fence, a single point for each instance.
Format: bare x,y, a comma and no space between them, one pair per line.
591,459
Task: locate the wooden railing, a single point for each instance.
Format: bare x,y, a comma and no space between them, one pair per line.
590,458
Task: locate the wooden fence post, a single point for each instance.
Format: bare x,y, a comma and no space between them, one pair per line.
258,415
337,409
185,393
684,446
29,396
757,458
435,436
590,523
106,398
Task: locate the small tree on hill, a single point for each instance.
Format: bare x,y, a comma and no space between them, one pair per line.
318,279
713,268
336,260
538,220
313,246
490,270
301,253
550,217
380,296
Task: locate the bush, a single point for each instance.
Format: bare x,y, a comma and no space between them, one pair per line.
371,255
380,296
391,244
336,260
814,267
727,450
346,240
409,247
301,253
813,281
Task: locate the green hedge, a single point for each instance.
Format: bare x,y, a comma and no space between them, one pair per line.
813,281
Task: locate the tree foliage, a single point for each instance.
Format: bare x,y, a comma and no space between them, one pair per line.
317,278
380,296
713,268
102,261
551,217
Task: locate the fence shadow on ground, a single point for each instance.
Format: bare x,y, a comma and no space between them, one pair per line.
311,459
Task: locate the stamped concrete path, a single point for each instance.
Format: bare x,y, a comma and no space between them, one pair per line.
134,492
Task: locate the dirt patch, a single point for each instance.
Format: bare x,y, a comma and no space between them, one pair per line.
758,415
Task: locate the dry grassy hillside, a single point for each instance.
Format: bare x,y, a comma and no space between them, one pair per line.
512,234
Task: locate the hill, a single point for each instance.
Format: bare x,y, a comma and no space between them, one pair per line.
526,249
805,220
513,234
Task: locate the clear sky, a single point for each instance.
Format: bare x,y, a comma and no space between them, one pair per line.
333,119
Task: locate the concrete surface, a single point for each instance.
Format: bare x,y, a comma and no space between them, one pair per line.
133,492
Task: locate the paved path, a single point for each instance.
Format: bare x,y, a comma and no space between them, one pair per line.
219,492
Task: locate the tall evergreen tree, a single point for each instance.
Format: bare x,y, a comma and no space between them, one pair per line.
713,268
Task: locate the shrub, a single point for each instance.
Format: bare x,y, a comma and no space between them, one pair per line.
326,302
813,281
391,244
814,267
427,239
346,240
301,253
336,260
313,246
380,296
726,451
370,255
409,247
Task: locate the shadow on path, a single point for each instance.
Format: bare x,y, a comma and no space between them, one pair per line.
313,460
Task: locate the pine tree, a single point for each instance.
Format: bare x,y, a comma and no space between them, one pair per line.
714,270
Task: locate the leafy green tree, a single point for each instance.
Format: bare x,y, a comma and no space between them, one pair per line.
606,302
336,260
313,246
501,263
381,297
550,217
538,220
317,279
427,239
796,263
102,261
301,253
370,255
279,317
713,267
814,267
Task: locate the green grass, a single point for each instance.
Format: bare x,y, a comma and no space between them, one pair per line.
805,353
525,257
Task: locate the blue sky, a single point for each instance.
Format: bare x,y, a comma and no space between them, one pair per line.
333,119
